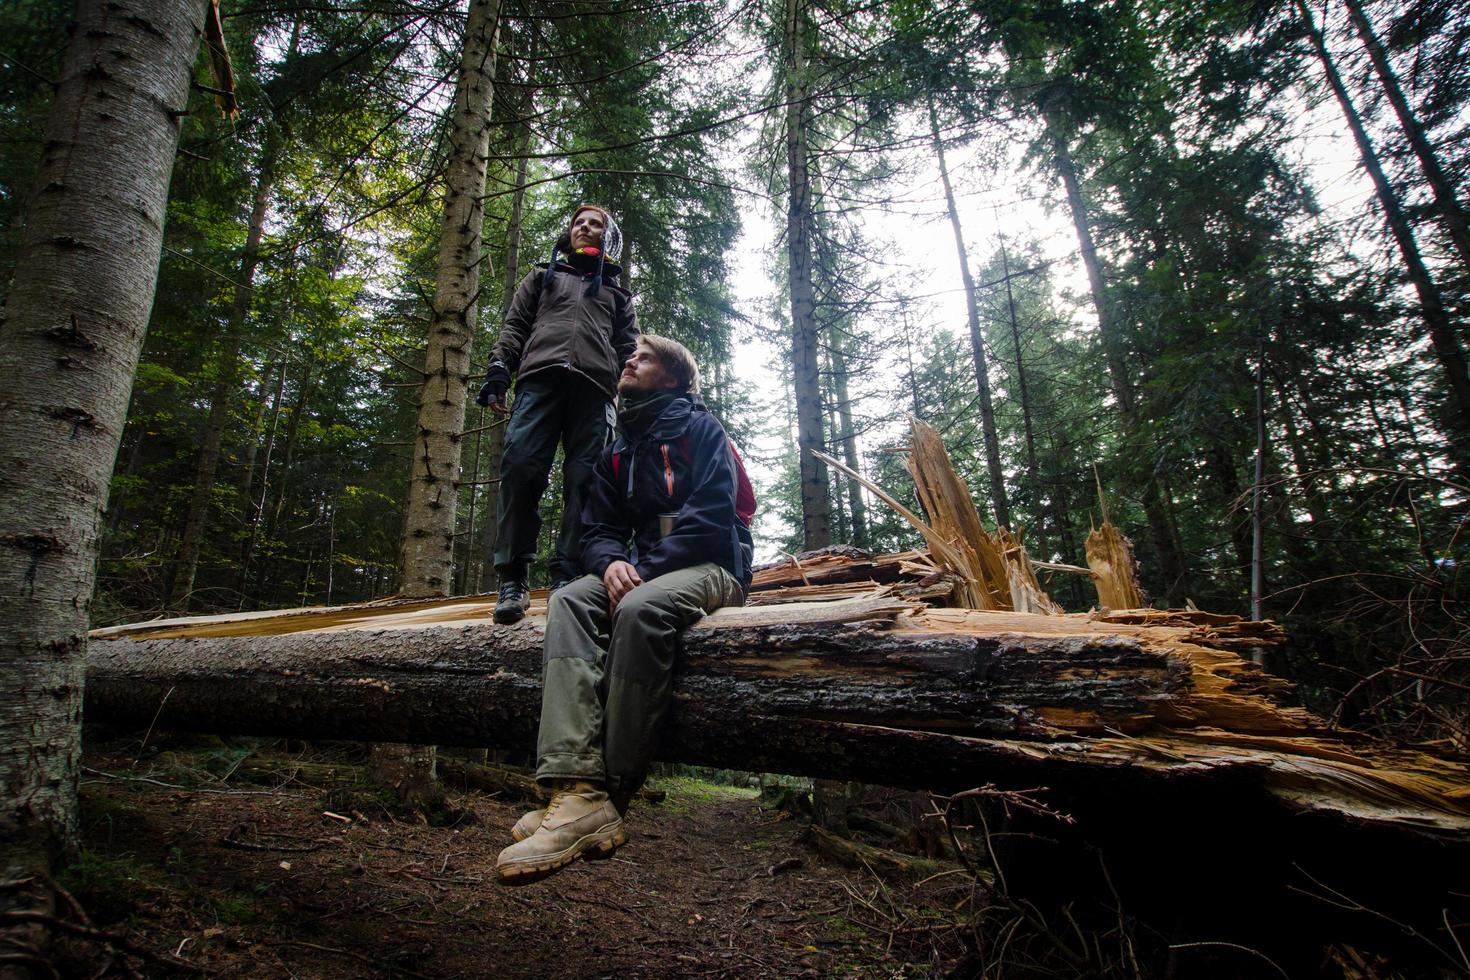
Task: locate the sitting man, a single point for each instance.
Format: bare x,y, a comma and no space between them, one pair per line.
670,485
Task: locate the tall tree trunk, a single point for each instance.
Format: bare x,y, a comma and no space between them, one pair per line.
847,438
1033,469
256,429
73,328
998,499
1442,335
908,353
427,556
426,563
1258,524
816,507
226,385
288,453
1446,201
1171,560
257,505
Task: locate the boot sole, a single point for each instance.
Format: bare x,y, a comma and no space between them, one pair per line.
509,617
599,853
589,848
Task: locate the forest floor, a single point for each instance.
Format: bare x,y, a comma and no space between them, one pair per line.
262,880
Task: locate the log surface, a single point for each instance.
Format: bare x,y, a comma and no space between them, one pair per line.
870,689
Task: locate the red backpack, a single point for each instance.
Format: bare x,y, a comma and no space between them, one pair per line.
744,490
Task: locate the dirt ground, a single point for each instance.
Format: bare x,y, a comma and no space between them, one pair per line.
268,879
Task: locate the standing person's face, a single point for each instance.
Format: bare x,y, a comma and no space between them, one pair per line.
587,229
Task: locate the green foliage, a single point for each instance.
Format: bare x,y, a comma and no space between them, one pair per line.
35,34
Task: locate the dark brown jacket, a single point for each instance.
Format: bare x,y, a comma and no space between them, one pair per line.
556,324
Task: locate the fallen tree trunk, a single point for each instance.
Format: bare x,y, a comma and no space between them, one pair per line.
480,684
876,689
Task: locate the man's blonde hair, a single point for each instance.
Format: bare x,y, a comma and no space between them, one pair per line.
676,360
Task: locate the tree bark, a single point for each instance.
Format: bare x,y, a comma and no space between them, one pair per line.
871,690
998,499
1033,468
847,436
480,685
427,556
1442,335
75,319
816,506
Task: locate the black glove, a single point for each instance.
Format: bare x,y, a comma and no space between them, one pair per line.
497,383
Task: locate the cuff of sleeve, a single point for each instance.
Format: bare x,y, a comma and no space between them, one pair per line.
598,566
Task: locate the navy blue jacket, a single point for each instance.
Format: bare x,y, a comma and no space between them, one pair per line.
681,465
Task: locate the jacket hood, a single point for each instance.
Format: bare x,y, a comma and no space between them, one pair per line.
612,235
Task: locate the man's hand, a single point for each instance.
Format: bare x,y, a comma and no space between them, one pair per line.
497,383
619,579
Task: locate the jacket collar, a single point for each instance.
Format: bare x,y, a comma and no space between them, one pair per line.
671,423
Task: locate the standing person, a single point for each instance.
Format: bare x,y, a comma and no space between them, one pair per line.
569,328
672,488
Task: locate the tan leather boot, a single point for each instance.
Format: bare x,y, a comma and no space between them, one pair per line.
527,825
580,821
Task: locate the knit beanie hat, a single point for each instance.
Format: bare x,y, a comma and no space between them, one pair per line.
612,243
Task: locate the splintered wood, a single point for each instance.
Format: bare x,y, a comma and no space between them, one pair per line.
979,558
1110,556
992,571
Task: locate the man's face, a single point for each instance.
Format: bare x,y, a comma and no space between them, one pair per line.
643,374
587,228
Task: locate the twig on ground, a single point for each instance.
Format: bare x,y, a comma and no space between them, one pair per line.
1244,949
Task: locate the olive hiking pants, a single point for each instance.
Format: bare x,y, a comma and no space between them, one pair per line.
607,679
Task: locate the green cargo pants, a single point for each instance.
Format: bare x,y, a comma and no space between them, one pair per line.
606,679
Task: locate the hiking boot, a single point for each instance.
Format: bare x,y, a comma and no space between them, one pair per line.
579,821
527,825
510,601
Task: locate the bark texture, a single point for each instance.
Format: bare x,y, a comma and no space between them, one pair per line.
427,559
481,685
74,323
816,506
875,690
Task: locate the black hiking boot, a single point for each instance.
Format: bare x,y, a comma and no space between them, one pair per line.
510,603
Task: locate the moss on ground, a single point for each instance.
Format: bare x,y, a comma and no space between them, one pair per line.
685,793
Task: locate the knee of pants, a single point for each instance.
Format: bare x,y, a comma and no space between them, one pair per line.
642,627
637,606
578,472
519,469
569,602
563,604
